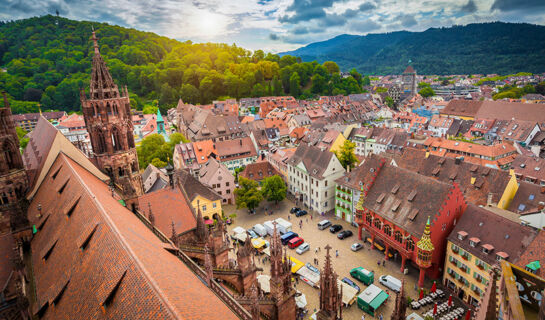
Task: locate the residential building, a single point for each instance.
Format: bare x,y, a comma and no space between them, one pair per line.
199,195
514,130
498,110
259,171
278,158
217,177
394,208
154,179
185,158
529,197
480,240
311,177
28,121
204,150
298,120
499,155
529,169
439,125
236,153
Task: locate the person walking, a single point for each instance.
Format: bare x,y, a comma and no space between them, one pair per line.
383,262
378,263
362,317
319,249
316,251
336,253
380,317
289,217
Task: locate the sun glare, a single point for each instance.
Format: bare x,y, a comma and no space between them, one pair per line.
210,24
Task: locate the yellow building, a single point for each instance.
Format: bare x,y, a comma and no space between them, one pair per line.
480,240
509,192
200,196
337,143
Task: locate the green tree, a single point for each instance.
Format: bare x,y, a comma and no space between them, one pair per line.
389,102
158,163
331,67
346,154
151,108
247,195
274,188
366,81
426,92
23,141
295,84
153,146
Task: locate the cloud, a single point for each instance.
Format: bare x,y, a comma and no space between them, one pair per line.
364,26
469,7
306,10
300,30
407,20
514,5
274,37
366,6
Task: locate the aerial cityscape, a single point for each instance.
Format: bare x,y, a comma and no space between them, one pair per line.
271,159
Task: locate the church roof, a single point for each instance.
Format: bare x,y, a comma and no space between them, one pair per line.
95,259
159,116
409,69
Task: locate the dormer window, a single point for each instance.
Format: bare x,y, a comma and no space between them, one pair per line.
462,235
474,242
487,248
501,256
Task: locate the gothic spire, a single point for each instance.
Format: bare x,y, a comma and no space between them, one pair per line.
202,231
330,298
425,242
102,84
400,304
173,233
151,217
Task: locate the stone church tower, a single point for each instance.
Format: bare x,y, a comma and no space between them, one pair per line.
13,178
107,115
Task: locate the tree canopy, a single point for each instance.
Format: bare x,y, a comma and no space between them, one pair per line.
346,154
247,195
274,188
155,150
48,62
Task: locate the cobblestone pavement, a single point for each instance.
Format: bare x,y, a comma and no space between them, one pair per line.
342,264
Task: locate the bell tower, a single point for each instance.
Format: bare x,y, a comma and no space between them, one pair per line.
107,115
13,178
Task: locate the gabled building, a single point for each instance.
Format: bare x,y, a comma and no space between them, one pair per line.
259,171
217,177
311,177
480,240
278,158
154,179
185,158
439,125
199,195
529,169
236,153
394,208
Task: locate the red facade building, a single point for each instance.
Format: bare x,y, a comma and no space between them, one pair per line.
409,214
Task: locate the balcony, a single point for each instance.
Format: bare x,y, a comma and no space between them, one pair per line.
455,250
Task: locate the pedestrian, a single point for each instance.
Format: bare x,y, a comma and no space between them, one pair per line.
378,263
380,317
289,217
306,219
316,251
311,216
319,249
336,253
383,262
362,317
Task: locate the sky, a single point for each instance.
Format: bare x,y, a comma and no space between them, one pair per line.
278,25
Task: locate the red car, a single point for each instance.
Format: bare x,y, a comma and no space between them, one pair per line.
295,242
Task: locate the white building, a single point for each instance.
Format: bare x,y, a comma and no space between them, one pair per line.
311,177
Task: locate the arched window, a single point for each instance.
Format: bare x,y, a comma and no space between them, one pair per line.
109,109
134,167
398,236
5,199
130,138
388,230
409,245
378,223
10,156
116,139
115,111
369,218
100,142
120,172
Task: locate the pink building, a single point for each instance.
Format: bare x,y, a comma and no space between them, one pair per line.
217,177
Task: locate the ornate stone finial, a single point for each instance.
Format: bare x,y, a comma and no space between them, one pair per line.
95,42
151,217
208,267
255,303
173,233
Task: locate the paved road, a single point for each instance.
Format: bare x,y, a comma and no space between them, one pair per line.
347,259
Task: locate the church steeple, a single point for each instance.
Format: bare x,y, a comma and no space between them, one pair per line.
330,295
108,120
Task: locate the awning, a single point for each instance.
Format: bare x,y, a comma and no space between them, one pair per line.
379,300
534,265
301,301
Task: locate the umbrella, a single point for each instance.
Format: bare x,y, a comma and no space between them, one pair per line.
435,309
468,314
434,287
421,294
450,301
208,221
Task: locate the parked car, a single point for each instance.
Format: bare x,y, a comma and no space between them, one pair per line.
344,234
312,268
300,213
390,282
303,248
363,275
295,242
295,210
260,230
252,234
351,283
324,224
285,238
335,228
356,246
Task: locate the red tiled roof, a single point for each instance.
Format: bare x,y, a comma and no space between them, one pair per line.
100,252
259,171
168,205
203,149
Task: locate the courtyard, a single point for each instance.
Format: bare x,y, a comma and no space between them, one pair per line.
346,260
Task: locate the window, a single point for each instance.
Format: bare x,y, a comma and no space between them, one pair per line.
228,191
204,208
325,183
326,194
325,204
227,184
214,205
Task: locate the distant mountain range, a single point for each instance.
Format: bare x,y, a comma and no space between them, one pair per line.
495,47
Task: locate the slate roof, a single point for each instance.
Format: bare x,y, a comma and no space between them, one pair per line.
463,108
449,170
491,229
212,168
428,200
36,116
535,251
94,259
314,159
168,205
236,148
194,187
529,167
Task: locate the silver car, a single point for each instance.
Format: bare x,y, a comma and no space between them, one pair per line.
303,248
356,246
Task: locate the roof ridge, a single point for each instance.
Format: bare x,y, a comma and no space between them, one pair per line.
124,242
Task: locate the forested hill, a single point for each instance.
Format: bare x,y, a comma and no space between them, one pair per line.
47,59
497,47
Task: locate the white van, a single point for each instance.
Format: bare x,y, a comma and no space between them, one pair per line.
260,230
390,282
269,226
324,224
